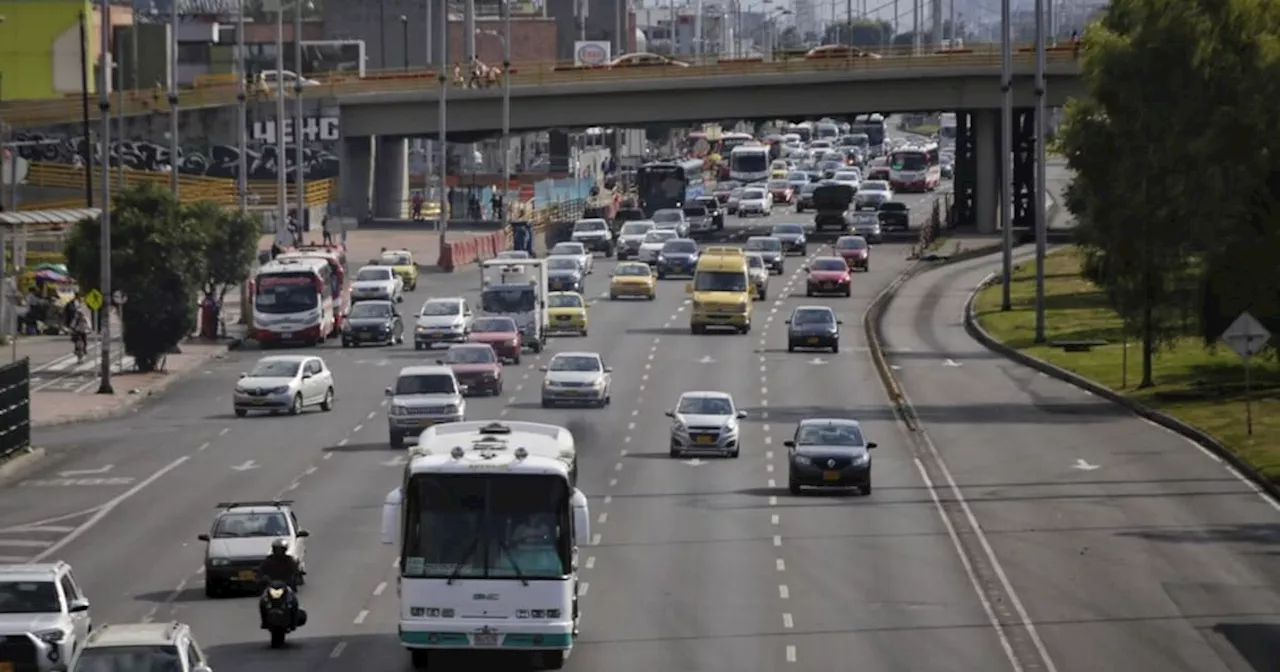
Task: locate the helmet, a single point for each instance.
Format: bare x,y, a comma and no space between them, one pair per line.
280,545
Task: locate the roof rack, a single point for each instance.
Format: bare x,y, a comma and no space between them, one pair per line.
237,505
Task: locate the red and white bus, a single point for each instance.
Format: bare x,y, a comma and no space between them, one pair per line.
339,288
915,168
293,302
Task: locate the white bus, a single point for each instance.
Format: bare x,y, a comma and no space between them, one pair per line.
543,440
293,302
489,536
915,168
749,163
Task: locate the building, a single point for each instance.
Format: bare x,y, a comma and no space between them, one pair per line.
40,47
806,18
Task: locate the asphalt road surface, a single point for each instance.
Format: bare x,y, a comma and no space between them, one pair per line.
1105,542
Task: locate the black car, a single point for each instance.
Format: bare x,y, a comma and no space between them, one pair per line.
373,323
894,216
769,249
829,452
831,200
679,256
714,211
792,237
564,275
804,196
813,327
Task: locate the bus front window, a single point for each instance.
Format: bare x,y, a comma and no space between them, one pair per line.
280,294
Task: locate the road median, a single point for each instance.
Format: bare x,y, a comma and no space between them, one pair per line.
1198,392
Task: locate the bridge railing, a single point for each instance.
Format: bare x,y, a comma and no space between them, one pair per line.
219,92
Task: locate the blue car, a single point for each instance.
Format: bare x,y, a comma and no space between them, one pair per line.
679,256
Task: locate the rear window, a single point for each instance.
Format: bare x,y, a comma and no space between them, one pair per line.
893,205
680,247
695,211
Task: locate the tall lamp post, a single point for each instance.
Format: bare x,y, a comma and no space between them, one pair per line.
506,108
242,103
104,109
299,167
174,149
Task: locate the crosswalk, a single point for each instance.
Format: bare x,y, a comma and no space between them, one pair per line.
68,374
18,545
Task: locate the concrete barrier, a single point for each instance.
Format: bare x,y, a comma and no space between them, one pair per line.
430,224
458,253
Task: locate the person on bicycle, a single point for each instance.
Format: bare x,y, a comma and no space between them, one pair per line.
80,331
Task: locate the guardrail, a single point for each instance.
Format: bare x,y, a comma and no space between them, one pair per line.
15,408
222,191
68,110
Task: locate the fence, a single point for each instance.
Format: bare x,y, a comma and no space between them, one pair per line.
523,201
15,407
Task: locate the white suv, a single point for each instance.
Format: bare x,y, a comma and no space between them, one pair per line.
44,616
423,396
142,646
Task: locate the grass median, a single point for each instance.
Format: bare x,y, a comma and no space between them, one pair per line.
1202,387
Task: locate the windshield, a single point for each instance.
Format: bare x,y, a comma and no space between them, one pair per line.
708,202
828,265
470,354
909,161
29,597
680,247
508,299
705,406
432,383
513,254
893,205
778,184
590,225
637,270
720,281
695,211
275,368
813,317
487,526
829,435
286,293
370,310
373,274
493,325
661,187
564,301
659,236
233,525
753,195
441,308
851,244
562,264
874,185
788,229
751,162
798,177
763,244
755,261
581,363
130,659
636,228
572,249
846,176
668,216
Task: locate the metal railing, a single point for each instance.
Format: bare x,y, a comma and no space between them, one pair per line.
15,408
219,92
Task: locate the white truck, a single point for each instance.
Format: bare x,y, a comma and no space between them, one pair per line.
517,288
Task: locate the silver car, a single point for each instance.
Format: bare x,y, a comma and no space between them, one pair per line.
867,225
284,383
705,422
377,282
630,237
241,536
577,378
142,646
759,273
654,241
442,320
672,219
44,616
578,250
423,396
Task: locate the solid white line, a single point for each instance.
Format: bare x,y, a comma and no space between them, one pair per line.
108,508
364,613
12,559
57,529
25,543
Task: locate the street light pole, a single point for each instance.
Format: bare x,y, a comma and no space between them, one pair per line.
282,198
1039,200
299,172
104,261
242,102
174,149
443,123
404,40
1006,152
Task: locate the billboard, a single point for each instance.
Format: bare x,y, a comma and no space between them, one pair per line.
40,56
591,52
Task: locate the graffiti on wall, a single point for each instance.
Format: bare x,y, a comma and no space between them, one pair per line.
319,152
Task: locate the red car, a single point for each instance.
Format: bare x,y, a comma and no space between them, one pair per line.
500,333
782,191
476,366
828,275
855,251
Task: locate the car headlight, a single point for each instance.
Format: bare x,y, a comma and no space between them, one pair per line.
455,327
218,562
801,459
547,383
451,408
661,258
598,383
742,305
279,390
420,329
51,636
862,459
399,409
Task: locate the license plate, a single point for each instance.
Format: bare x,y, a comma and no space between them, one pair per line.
705,439
813,341
830,475
486,639
563,318
827,285
286,334
247,575
366,337
258,402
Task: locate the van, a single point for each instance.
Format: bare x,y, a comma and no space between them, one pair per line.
722,292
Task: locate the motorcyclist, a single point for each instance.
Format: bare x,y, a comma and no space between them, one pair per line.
279,566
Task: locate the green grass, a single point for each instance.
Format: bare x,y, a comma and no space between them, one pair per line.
923,129
1202,387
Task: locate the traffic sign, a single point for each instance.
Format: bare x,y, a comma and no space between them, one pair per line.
1246,336
93,299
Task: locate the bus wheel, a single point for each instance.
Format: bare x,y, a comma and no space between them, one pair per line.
420,658
551,660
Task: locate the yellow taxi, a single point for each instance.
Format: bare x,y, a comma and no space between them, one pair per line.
401,261
632,279
722,291
567,313
778,174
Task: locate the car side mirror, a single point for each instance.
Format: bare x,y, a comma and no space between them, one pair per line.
387,392
78,606
608,369
789,443
742,414
543,368
463,389
302,534
669,414
688,288
805,269
839,321
308,375
786,322
202,537
244,375
439,361
871,445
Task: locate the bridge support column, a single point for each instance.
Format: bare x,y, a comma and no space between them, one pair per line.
985,132
966,172
1024,169
355,164
391,178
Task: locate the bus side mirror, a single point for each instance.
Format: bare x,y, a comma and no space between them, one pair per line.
688,288
581,518
391,517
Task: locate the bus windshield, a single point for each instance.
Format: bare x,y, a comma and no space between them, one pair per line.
487,526
909,161
749,162
286,293
508,299
720,281
661,187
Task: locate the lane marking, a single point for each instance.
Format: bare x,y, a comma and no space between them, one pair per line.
203,446
777,540
357,428
781,564
783,592
370,416
604,518
338,649
583,588
787,621
595,539
379,588
591,562
224,431
364,613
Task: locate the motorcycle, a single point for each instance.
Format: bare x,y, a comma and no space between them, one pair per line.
280,612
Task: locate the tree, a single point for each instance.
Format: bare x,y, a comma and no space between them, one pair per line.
231,249
1168,156
158,262
863,33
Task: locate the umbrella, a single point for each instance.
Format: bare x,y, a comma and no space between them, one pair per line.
47,275
56,268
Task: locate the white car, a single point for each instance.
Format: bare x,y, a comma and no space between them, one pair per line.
423,396
594,234
705,422
377,282
851,178
442,321
576,378
871,194
513,254
142,646
651,246
44,614
755,201
284,383
241,536
672,219
574,249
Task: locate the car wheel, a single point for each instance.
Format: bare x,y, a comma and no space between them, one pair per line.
791,347
546,403
327,403
584,333
653,296
397,441
675,453
296,407
793,487
417,346
240,412
497,390
613,297
865,488
808,292
734,454
212,589
346,343
848,293
516,361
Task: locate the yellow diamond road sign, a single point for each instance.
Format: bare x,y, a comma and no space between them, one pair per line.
93,299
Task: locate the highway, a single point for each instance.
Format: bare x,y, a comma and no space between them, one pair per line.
1107,542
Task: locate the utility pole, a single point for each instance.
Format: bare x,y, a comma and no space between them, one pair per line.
104,261
174,150
442,120
299,168
1006,151
242,102
282,154
1039,201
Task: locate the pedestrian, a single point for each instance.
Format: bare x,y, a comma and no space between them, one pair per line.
1075,44
295,232
328,234
495,204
